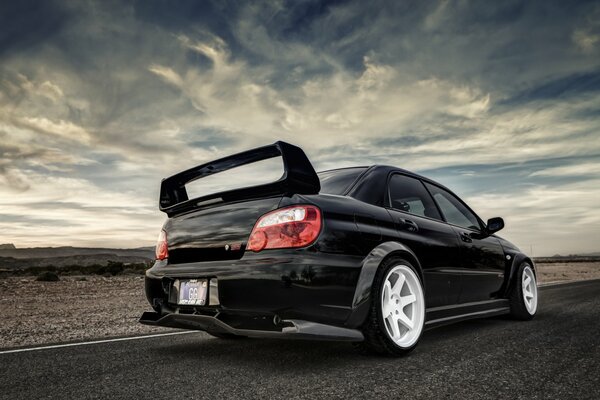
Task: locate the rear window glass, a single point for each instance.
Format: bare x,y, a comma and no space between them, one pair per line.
337,181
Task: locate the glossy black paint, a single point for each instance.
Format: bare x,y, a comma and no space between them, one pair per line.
203,234
482,266
437,249
329,282
298,177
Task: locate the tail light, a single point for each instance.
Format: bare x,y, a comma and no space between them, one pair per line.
295,226
162,250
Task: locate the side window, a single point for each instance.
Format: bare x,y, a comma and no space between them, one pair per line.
455,212
409,195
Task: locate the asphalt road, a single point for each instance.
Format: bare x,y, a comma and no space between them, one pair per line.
557,355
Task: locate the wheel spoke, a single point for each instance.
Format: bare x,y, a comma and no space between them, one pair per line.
404,320
387,310
526,281
399,283
406,300
395,328
387,290
387,304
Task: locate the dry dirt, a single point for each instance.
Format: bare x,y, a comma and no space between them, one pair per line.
34,312
554,272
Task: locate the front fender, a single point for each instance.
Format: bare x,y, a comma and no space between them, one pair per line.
362,294
517,260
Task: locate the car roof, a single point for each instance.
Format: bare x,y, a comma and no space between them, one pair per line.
387,169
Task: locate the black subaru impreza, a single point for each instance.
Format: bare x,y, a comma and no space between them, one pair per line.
372,255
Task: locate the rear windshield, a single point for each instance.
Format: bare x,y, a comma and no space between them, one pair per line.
337,181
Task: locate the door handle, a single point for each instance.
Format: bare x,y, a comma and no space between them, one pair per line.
465,237
409,225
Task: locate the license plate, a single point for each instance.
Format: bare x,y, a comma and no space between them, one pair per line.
192,292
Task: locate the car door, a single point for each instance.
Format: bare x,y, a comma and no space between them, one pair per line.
420,227
481,260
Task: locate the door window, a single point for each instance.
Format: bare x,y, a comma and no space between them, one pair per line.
409,195
453,209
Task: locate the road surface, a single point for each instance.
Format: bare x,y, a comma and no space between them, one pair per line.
557,355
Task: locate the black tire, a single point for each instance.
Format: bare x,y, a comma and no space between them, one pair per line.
377,340
518,309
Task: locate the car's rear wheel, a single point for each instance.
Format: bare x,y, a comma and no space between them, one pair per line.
397,316
524,295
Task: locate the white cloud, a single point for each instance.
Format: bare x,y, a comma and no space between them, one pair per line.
61,128
76,212
585,41
167,74
51,91
237,98
588,168
547,218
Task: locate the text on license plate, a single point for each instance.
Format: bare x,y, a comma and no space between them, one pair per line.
192,292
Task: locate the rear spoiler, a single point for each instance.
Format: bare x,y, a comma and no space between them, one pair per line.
299,177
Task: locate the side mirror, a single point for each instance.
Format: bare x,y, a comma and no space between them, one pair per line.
494,225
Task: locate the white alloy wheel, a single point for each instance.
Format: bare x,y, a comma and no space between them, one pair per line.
403,306
529,287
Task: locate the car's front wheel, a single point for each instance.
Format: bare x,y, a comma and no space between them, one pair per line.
397,316
524,295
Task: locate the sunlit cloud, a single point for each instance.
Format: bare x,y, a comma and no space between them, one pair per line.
61,128
533,215
583,169
167,74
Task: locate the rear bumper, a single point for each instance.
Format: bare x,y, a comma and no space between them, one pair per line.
288,329
287,285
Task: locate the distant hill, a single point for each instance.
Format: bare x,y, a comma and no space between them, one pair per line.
45,252
13,258
557,258
594,254
7,246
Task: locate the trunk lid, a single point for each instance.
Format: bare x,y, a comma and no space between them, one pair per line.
217,233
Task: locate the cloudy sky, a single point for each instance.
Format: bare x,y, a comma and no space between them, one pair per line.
99,100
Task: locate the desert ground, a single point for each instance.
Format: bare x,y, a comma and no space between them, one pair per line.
80,308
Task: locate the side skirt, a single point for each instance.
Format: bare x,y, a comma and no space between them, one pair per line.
445,315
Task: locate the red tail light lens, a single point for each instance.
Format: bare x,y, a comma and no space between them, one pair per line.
296,226
162,250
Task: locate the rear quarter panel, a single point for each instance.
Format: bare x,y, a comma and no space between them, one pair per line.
350,226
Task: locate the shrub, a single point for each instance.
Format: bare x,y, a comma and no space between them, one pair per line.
114,268
47,276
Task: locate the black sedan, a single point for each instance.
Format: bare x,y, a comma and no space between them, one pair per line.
372,255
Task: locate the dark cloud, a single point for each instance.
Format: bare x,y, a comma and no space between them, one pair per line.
28,24
503,177
564,87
